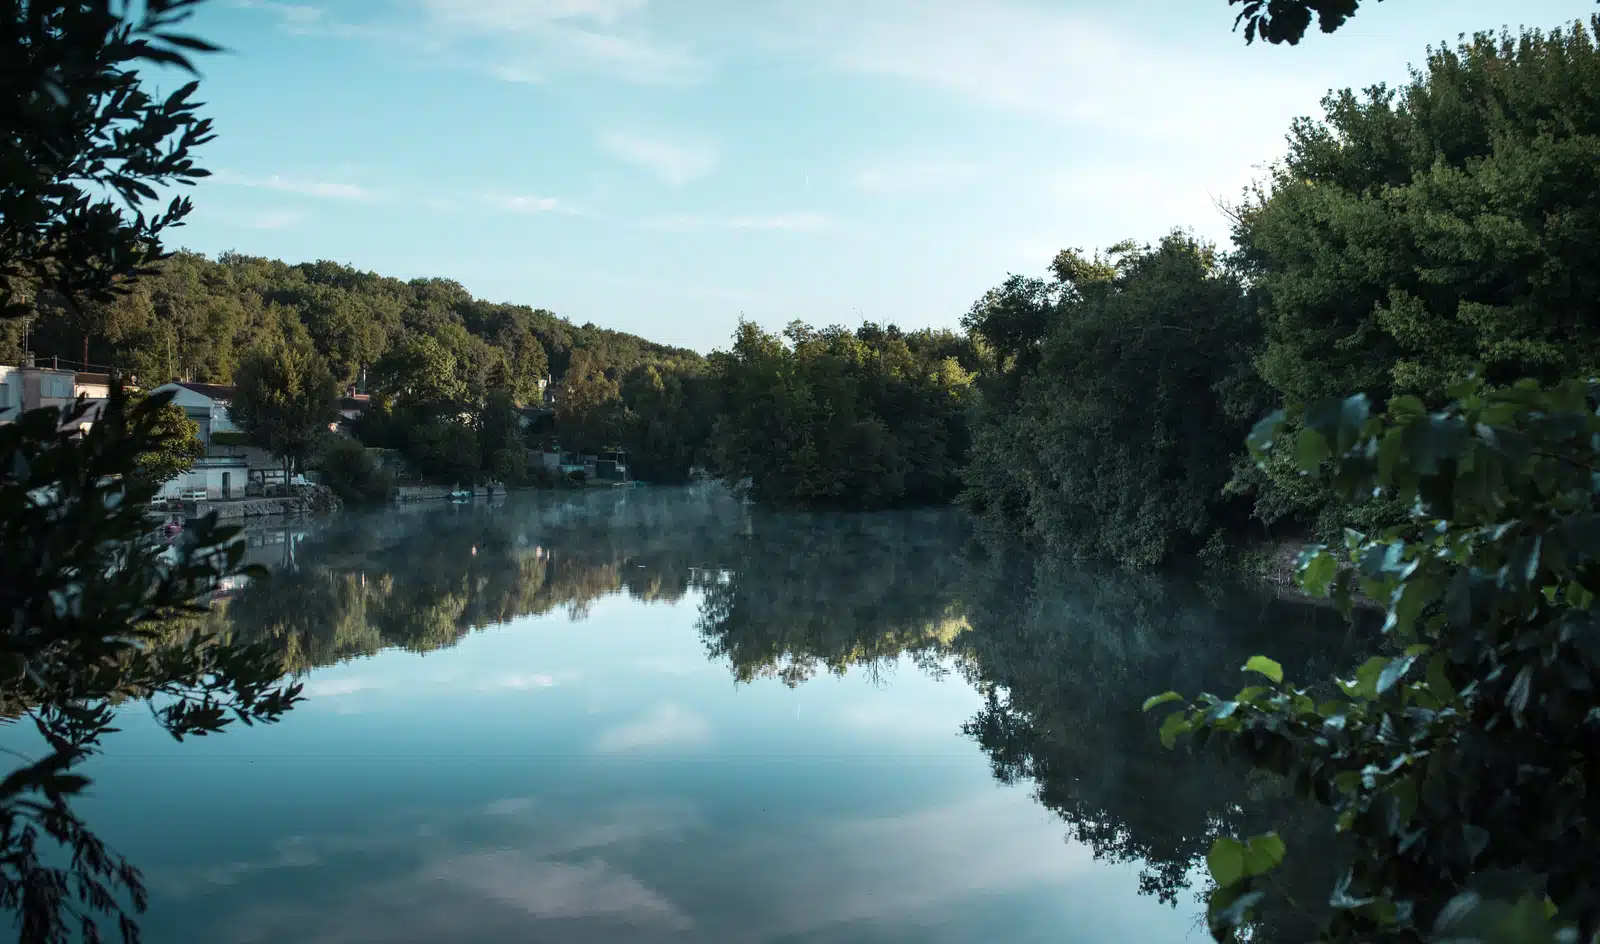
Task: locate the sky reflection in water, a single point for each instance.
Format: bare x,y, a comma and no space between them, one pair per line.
566,751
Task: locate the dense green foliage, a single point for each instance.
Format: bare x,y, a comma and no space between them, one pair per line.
92,598
1108,426
1412,237
1408,239
196,318
1460,765
284,400
174,442
833,418
354,476
85,146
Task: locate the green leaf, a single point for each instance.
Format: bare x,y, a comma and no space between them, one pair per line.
1367,676
1226,861
1310,449
1263,853
1317,570
1161,699
1175,724
1263,433
1392,673
1265,666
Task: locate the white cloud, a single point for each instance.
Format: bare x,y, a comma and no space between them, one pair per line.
312,188
523,203
793,222
1063,64
518,681
555,890
673,162
330,687
517,15
294,17
914,175
666,726
523,40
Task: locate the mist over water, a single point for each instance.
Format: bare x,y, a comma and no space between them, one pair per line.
657,714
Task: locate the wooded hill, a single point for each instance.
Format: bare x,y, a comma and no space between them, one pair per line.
195,318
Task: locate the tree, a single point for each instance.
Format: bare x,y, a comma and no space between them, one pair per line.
86,144
1110,429
1462,764
94,603
176,443
419,374
72,529
499,433
445,451
1285,21
839,419
589,411
1412,236
284,398
350,473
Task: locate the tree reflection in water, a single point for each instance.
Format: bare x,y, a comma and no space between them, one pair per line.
1062,654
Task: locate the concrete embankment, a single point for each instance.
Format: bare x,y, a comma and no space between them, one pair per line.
414,493
311,500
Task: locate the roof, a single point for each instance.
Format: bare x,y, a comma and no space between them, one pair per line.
222,392
358,402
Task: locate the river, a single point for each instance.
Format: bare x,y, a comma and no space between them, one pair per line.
660,715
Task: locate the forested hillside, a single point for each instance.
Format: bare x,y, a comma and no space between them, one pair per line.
196,318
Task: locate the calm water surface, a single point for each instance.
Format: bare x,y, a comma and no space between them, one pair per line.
658,715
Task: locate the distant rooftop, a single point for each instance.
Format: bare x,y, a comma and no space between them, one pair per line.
214,391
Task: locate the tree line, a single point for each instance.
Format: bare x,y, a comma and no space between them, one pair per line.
1410,237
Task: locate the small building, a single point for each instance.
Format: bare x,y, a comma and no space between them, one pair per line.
205,404
610,465
28,387
351,407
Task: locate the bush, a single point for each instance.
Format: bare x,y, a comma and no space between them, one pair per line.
351,473
1459,764
444,451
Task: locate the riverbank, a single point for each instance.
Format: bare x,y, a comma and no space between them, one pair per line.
315,499
1277,563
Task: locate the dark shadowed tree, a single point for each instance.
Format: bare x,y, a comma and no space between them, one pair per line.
284,398
94,605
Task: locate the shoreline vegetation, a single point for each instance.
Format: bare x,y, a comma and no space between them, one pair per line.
1411,305
1100,411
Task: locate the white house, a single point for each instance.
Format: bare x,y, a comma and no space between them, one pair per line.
225,469
206,404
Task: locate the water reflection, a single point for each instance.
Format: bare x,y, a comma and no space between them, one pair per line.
569,764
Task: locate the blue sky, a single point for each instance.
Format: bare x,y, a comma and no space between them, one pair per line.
664,166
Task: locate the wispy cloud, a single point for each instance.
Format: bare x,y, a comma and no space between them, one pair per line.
525,203
293,17
521,41
331,687
1041,60
794,222
311,188
666,726
497,15
521,682
913,175
673,162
